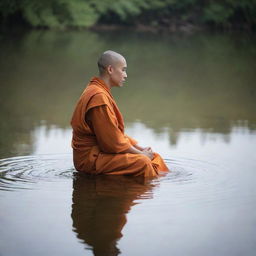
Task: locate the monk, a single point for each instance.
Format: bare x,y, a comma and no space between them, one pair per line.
99,142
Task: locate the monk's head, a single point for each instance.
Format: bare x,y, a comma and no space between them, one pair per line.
112,67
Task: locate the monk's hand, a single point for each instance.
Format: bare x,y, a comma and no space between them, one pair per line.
148,149
148,152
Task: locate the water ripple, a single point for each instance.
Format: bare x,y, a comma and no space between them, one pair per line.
184,170
23,171
196,181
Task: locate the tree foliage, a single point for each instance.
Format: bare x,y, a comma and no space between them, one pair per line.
86,13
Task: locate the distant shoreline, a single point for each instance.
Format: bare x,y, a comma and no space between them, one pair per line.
186,28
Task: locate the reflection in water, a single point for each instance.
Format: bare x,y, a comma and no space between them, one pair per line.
99,209
200,206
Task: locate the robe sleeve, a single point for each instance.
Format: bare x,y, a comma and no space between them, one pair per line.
104,124
132,141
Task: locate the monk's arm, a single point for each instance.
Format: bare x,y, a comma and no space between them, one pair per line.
138,147
104,125
134,143
133,150
109,137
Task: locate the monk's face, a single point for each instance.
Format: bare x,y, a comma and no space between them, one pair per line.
118,73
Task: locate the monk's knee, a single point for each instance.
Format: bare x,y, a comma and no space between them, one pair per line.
144,161
145,166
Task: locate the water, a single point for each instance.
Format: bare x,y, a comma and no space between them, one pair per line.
192,98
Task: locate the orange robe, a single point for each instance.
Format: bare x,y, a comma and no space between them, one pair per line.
99,138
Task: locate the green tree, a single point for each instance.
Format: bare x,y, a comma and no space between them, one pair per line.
86,13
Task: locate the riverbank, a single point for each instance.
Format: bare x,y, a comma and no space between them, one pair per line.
158,15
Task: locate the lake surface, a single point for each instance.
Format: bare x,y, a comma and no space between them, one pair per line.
190,97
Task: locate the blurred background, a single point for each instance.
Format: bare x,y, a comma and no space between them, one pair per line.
191,66
190,94
148,14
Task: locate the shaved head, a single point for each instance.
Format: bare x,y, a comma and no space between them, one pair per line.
108,58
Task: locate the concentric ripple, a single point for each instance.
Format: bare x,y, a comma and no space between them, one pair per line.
23,171
198,182
185,170
20,172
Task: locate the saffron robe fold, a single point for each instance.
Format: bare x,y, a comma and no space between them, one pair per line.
99,139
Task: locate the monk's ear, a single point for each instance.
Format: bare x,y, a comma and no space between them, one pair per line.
109,69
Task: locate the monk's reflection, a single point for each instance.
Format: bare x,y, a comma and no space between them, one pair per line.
100,205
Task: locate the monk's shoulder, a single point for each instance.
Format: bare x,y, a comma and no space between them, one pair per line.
94,96
100,97
90,92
